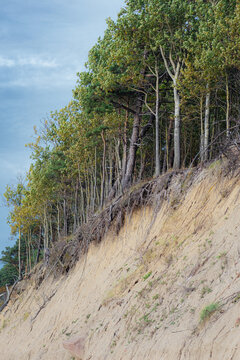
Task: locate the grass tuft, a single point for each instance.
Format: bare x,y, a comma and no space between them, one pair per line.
208,311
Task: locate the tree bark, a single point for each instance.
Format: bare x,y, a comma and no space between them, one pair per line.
202,132
174,75
39,245
103,169
64,215
177,160
206,124
19,253
157,155
124,158
228,107
133,145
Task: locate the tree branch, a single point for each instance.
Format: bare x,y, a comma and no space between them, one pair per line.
123,107
166,64
146,127
172,62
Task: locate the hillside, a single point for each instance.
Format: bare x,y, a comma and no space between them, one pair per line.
140,294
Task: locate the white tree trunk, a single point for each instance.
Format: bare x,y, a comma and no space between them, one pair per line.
157,165
206,124
202,131
228,108
176,164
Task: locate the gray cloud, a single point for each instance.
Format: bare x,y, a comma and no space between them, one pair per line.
32,61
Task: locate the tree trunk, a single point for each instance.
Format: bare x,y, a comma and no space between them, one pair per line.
124,158
58,221
133,145
157,155
19,253
95,178
29,250
142,166
39,245
176,163
228,107
206,124
111,169
75,214
103,169
202,132
174,75
64,215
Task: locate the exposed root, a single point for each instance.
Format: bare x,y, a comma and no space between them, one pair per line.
9,293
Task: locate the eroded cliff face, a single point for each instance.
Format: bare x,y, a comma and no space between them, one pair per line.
140,295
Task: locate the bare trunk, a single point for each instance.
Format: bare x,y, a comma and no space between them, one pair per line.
39,245
157,155
64,215
174,75
111,168
29,250
228,107
95,179
75,215
206,124
45,229
202,132
19,253
142,167
176,163
58,221
124,159
133,145
103,169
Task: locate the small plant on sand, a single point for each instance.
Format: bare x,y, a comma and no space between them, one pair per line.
26,316
146,276
87,318
237,298
222,255
146,319
205,290
113,344
208,311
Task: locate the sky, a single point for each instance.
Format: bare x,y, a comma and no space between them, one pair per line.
43,45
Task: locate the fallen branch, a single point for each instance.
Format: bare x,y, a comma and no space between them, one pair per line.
43,306
9,293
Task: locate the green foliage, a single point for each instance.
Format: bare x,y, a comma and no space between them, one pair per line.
208,311
9,257
8,274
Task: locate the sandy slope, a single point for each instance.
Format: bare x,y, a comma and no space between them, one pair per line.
139,295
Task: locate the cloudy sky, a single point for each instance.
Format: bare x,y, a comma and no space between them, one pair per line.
43,45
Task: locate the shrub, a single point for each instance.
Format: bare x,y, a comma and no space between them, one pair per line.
208,311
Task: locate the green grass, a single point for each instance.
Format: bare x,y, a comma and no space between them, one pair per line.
146,276
208,311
